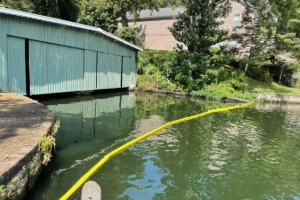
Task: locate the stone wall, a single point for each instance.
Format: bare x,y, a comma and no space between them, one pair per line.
20,178
279,98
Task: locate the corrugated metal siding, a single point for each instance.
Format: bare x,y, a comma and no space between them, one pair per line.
74,65
90,58
26,28
126,81
50,20
133,68
56,69
65,69
38,68
16,61
129,76
109,71
47,48
3,53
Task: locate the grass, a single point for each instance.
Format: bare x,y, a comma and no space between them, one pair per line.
220,91
272,88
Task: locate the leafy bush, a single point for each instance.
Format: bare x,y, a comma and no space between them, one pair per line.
156,82
222,90
260,72
194,70
287,70
160,59
130,34
236,79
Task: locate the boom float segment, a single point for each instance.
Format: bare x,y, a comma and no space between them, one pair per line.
120,149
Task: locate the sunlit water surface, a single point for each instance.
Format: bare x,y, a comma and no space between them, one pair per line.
250,153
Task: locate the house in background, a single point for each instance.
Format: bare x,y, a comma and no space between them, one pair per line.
232,21
155,26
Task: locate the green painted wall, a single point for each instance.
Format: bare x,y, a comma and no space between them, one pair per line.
61,58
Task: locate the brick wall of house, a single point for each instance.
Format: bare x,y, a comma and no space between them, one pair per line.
157,35
237,9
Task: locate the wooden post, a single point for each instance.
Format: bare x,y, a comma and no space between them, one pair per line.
91,190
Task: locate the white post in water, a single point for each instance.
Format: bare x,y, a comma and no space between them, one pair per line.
91,190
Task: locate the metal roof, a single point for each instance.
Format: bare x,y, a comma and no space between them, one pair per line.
161,13
65,23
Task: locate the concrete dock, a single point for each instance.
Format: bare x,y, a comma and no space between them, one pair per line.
22,122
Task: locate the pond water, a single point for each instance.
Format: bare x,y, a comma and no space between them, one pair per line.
250,153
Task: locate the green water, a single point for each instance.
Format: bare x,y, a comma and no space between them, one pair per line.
250,153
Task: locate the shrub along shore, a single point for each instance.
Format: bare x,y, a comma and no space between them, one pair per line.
157,71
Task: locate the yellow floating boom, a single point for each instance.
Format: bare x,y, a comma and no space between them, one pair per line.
96,167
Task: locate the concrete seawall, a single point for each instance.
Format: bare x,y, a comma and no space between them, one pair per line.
22,122
279,98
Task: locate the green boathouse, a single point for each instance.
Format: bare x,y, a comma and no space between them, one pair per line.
44,55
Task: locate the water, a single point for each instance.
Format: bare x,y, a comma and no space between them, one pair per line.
250,153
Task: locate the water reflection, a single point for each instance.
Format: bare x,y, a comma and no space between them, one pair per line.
251,153
105,118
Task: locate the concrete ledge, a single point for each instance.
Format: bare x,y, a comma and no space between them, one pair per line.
279,98
23,121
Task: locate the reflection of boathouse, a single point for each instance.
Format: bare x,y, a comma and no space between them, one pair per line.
96,119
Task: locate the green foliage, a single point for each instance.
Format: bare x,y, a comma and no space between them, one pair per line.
100,14
46,144
161,59
236,79
2,189
283,72
220,91
130,34
24,5
154,68
274,88
259,71
157,82
197,27
34,165
121,7
195,70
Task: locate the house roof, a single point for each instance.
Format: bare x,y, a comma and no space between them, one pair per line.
160,14
65,23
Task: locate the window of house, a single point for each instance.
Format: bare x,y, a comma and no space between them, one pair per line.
221,19
233,44
236,20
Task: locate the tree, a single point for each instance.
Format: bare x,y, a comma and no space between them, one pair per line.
122,7
130,34
100,14
24,5
197,27
63,9
270,31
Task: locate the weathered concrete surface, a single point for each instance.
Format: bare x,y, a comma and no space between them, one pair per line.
279,98
22,122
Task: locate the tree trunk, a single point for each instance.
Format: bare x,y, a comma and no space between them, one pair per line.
246,68
281,73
